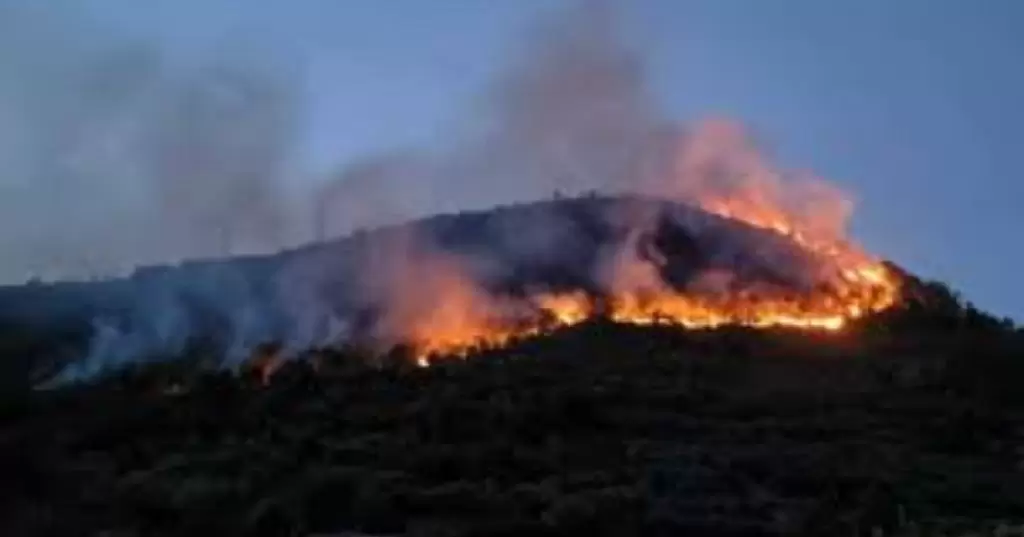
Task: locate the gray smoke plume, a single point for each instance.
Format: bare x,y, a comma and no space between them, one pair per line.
571,113
116,156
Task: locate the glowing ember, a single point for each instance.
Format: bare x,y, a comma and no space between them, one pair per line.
863,289
720,171
264,362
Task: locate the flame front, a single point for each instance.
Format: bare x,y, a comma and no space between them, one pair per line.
863,289
719,170
869,290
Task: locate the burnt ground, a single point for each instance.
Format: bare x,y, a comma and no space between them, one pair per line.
909,424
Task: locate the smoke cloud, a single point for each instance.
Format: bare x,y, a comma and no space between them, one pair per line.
573,113
570,113
115,155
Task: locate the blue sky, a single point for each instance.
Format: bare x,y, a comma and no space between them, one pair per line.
914,106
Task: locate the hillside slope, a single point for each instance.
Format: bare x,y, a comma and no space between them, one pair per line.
907,420
302,296
599,429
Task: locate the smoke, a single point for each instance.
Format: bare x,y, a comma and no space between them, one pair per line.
573,113
116,156
114,153
718,166
423,292
570,113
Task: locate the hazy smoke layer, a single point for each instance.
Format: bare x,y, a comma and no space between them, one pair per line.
113,154
570,113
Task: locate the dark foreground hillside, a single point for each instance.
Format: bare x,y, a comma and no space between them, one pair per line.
910,429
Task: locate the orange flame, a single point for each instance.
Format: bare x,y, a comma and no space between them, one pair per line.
862,289
870,290
721,171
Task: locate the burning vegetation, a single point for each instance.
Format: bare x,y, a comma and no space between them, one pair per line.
711,233
695,227
630,416
458,315
762,245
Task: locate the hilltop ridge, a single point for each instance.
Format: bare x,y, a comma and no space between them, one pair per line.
552,244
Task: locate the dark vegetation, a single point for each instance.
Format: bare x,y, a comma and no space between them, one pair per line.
556,244
910,423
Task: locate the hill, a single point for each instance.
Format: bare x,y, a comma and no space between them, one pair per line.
341,289
906,421
600,428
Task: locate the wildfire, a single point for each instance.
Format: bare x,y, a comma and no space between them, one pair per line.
860,286
863,289
873,290
718,169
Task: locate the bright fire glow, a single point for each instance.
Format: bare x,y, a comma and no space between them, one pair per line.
862,289
720,171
